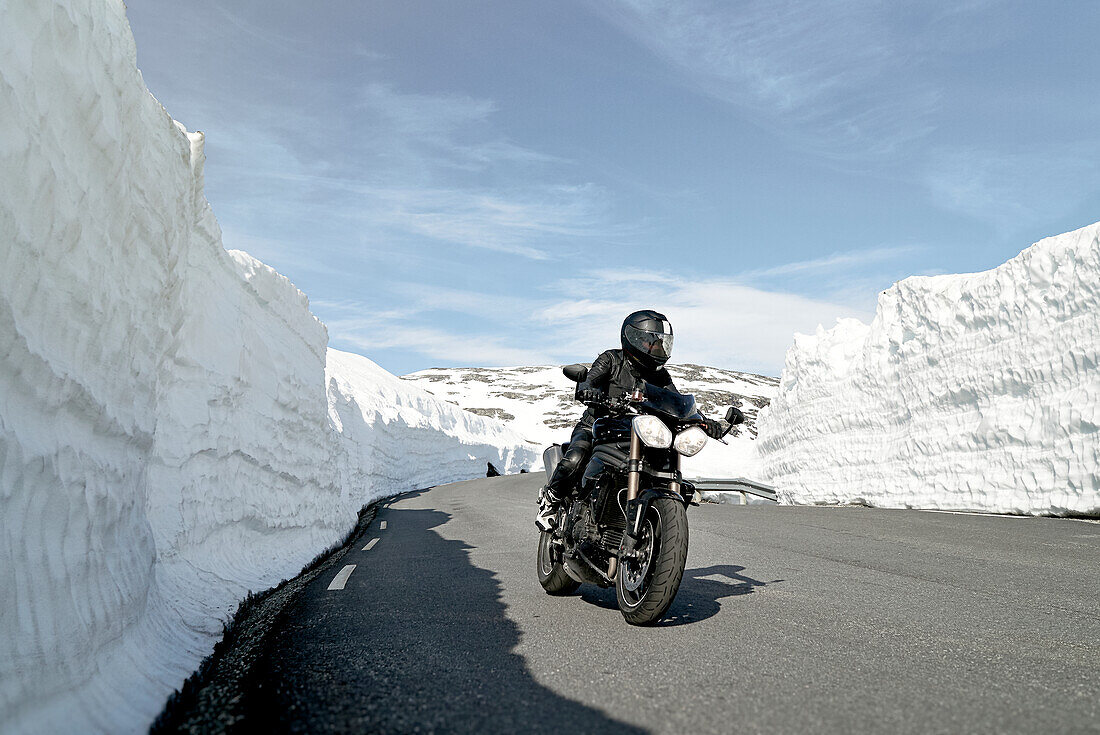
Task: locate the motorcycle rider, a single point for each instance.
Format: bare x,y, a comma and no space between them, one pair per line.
646,338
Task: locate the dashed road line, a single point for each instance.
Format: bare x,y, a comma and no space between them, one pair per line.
382,525
370,544
341,578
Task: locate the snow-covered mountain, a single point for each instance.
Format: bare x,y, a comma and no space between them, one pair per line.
537,403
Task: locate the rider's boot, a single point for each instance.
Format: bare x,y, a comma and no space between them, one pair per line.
549,502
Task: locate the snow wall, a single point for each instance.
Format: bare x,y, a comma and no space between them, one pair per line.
169,436
975,392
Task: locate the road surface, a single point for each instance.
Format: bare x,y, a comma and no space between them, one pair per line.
789,619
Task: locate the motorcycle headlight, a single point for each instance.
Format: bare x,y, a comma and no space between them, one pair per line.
653,432
690,442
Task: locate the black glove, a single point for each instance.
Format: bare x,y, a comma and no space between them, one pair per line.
586,395
713,428
734,416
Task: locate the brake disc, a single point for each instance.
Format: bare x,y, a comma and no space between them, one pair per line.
638,567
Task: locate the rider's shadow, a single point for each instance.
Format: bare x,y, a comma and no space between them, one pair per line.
699,595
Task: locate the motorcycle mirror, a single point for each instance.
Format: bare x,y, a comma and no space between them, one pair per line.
576,372
734,416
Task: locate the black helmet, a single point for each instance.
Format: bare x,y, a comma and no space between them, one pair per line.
647,339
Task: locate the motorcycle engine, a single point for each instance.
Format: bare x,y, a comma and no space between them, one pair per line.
580,520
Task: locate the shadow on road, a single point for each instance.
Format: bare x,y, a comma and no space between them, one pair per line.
702,589
698,596
418,641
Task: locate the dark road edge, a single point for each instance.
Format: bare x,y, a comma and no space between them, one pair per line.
214,698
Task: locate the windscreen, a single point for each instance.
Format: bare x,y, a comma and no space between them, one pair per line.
669,402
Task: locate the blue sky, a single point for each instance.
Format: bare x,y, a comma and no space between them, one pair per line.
500,182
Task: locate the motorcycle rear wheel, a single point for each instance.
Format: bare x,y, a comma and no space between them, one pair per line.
550,572
663,548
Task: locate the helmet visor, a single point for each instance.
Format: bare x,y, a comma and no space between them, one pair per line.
657,345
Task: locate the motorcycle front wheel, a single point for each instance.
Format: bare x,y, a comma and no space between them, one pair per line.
647,583
551,574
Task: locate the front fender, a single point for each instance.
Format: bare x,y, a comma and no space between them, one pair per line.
636,509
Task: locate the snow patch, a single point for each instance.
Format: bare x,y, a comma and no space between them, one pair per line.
537,402
173,430
966,392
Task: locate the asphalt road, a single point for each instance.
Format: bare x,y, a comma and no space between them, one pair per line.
789,619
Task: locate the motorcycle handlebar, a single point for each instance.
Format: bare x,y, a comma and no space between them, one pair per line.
611,404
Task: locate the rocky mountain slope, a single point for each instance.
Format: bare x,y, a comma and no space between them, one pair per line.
537,402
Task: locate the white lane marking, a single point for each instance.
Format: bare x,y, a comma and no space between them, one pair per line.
370,544
383,526
341,578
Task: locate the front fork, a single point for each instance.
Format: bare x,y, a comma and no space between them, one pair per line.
633,488
634,469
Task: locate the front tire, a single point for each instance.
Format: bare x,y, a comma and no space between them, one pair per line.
550,572
645,587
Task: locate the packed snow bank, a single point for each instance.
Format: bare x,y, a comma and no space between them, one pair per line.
969,392
401,436
169,437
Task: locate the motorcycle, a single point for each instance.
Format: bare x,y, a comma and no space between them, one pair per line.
627,524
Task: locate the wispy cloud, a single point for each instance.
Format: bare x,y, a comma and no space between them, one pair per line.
443,130
835,76
851,279
1005,188
276,40
867,84
514,222
718,321
373,332
419,168
847,261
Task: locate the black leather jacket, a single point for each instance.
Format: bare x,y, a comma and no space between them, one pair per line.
612,373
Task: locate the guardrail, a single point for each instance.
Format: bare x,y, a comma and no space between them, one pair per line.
741,485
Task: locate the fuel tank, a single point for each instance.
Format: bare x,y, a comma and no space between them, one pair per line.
612,429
